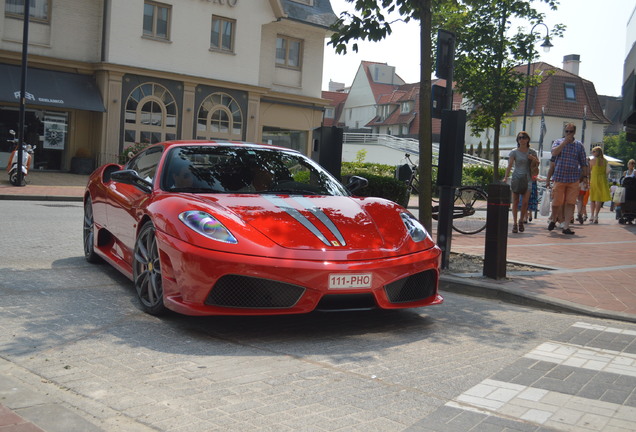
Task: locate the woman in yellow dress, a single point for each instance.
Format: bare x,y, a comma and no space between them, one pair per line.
599,186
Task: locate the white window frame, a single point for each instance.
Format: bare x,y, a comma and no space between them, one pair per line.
569,87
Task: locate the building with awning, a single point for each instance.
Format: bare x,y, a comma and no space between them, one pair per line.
51,88
108,74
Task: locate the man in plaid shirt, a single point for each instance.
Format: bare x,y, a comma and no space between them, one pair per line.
570,168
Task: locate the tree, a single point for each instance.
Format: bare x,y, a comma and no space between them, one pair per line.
484,65
617,146
486,56
373,23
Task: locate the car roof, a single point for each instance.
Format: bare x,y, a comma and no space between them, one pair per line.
219,143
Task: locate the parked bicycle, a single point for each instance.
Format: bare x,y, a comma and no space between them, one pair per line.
469,205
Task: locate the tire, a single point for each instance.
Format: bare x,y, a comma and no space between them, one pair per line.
89,233
469,211
147,271
13,177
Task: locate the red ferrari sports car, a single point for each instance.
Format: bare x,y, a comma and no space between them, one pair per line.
227,228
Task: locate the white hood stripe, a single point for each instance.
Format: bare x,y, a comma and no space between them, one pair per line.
322,217
280,203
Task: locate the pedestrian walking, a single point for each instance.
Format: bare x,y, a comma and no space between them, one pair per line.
630,172
570,167
581,203
612,190
599,187
522,159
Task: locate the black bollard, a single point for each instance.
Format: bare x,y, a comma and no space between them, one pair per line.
497,230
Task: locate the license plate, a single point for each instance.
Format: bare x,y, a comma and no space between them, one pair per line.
350,281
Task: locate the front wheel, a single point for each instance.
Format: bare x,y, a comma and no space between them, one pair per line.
13,177
89,233
469,213
147,271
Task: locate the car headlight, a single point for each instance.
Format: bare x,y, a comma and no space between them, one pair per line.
415,229
207,225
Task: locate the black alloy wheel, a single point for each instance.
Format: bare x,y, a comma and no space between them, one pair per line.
89,233
147,271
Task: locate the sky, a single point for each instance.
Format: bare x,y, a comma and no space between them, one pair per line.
596,30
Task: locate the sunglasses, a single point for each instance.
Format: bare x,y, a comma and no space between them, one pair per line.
569,131
523,136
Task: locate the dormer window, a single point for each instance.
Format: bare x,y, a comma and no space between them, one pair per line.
383,111
406,107
570,91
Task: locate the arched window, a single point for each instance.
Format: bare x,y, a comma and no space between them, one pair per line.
220,116
151,115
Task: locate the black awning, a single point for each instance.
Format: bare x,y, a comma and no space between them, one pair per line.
51,88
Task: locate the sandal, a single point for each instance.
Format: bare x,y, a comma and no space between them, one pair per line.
521,227
514,229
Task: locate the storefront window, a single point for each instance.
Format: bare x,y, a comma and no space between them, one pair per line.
38,9
220,116
296,140
151,115
46,130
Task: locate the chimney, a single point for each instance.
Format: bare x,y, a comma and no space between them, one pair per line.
336,86
571,63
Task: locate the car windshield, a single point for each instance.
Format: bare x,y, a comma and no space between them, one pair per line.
229,169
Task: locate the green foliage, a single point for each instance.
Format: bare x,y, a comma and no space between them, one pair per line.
476,175
364,168
617,146
361,155
373,21
131,151
488,51
383,187
382,181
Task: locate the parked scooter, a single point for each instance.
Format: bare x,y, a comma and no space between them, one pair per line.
12,166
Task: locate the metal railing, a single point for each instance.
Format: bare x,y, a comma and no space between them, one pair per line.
407,145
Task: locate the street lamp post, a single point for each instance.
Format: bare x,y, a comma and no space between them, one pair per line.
546,48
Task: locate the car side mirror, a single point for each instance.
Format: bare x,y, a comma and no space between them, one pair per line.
356,182
131,177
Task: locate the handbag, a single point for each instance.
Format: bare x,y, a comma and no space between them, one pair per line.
619,195
545,203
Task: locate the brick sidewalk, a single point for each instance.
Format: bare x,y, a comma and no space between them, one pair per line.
594,268
11,422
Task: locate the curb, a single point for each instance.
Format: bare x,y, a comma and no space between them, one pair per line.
484,289
40,198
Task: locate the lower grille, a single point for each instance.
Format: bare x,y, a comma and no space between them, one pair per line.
413,288
249,292
346,302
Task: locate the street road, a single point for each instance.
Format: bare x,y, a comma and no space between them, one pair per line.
73,333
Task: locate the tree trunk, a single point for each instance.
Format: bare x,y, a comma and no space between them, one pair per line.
426,127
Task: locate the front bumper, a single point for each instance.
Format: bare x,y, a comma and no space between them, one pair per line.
199,281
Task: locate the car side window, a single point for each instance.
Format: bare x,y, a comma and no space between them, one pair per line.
146,162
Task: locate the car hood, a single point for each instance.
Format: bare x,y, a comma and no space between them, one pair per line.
324,222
